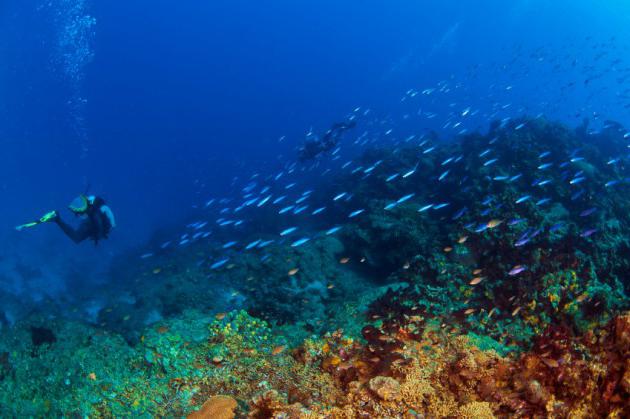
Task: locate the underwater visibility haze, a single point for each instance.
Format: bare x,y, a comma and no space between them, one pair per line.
403,209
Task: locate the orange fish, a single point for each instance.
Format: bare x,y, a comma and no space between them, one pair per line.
469,311
494,223
343,261
476,280
477,271
293,271
448,249
516,310
278,350
220,316
581,298
462,239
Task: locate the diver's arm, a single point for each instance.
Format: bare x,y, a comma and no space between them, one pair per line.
77,235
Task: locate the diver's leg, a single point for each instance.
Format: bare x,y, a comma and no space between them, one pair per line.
77,235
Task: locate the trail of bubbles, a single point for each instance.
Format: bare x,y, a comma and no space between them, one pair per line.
75,31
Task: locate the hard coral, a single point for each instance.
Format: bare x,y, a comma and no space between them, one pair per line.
217,407
386,388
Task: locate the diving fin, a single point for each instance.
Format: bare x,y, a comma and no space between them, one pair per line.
50,216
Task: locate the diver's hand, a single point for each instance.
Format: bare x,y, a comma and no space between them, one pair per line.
52,216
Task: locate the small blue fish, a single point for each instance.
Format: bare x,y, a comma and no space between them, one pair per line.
522,242
355,213
405,198
426,207
279,199
577,194
545,166
443,175
544,182
333,230
409,173
252,244
391,206
318,210
392,177
588,212
523,199
485,152
515,221
288,231
515,178
219,263
611,183
341,195
265,243
577,180
481,228
286,209
300,242
556,227
517,270
588,233
229,244
460,213
490,162
441,205
544,154
300,209
543,201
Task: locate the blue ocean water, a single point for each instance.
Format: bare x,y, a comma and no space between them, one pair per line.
159,106
436,156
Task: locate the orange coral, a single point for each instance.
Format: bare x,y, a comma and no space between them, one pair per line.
217,407
435,374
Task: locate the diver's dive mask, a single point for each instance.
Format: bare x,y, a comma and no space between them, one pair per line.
80,205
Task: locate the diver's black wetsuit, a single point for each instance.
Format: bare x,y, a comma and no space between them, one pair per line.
96,226
313,148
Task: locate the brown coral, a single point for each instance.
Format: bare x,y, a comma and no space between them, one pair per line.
386,388
216,407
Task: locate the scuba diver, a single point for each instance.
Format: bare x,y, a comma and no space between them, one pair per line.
313,148
97,219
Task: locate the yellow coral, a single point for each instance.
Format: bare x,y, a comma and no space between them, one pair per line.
475,410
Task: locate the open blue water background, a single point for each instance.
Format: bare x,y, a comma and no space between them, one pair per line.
158,105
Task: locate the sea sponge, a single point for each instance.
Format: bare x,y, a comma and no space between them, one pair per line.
216,407
386,388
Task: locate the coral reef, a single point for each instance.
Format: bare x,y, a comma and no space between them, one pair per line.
402,314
